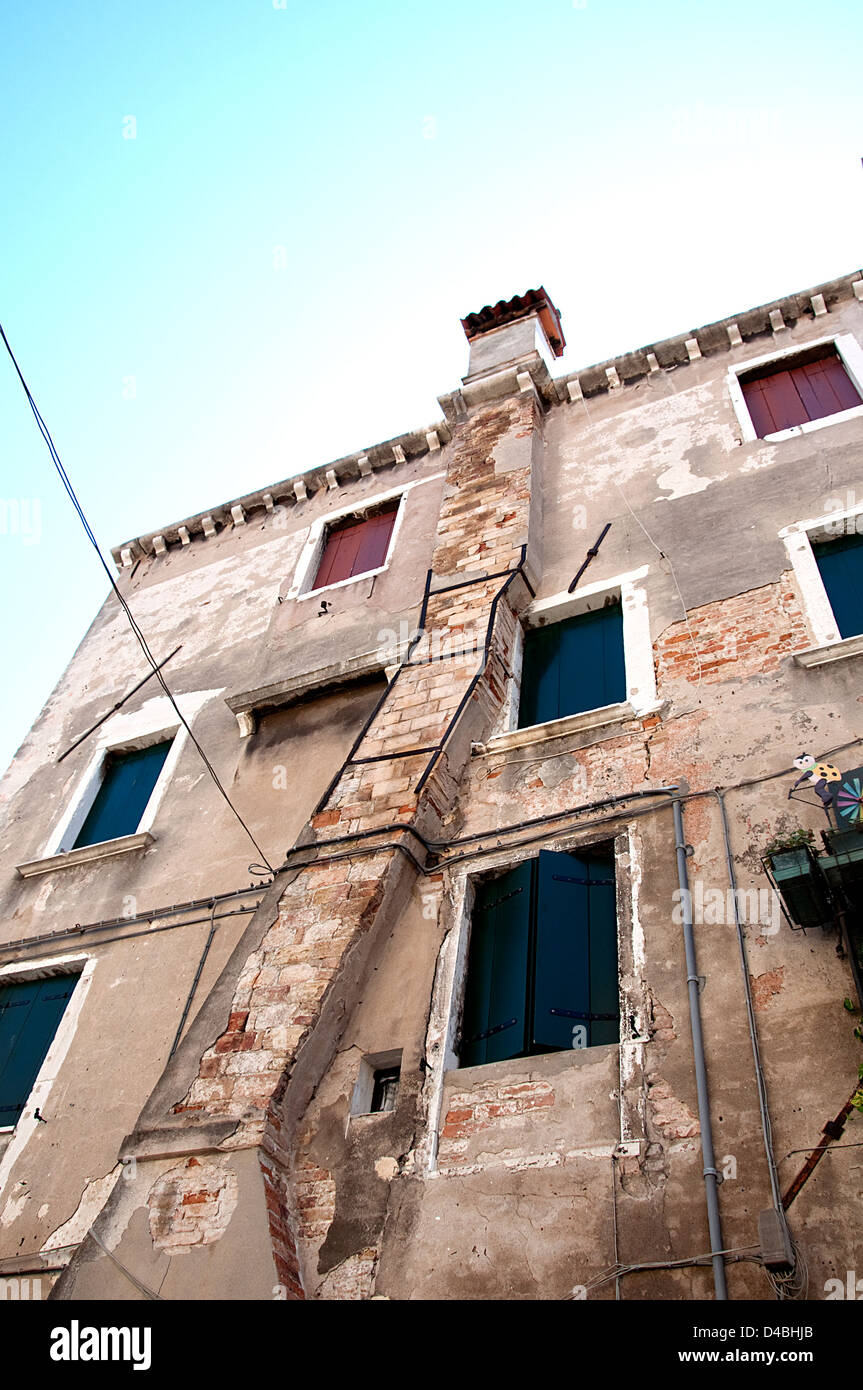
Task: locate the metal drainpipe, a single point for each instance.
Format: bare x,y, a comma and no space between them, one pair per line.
753,1031
710,1174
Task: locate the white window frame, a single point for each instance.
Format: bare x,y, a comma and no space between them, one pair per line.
78,964
87,789
447,1005
851,356
312,552
155,722
641,693
798,538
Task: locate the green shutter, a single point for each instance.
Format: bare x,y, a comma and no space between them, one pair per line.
576,975
573,666
841,566
122,798
29,1016
493,1022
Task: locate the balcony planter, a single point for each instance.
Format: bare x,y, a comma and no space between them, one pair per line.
844,863
797,877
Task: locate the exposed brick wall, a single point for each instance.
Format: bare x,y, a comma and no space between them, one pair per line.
502,1105
279,993
279,1221
746,635
191,1205
326,909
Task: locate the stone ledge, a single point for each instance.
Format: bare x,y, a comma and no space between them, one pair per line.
183,1139
831,651
87,854
555,728
246,704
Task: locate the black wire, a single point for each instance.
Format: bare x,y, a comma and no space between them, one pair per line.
46,435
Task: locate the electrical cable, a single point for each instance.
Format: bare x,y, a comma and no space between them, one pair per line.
64,478
739,1252
142,1288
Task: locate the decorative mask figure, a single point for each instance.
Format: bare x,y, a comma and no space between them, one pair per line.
822,777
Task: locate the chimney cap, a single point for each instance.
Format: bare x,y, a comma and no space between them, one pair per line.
519,307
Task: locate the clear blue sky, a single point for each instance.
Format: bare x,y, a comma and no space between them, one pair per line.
316,193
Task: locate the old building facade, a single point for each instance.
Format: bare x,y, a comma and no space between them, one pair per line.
510,707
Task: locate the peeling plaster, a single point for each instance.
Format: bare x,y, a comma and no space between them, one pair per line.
15,1204
94,1197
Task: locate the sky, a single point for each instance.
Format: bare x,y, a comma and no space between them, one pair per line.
238,235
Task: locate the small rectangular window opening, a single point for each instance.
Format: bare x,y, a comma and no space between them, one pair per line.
385,1089
377,1084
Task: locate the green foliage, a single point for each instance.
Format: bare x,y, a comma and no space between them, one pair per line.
846,1003
798,838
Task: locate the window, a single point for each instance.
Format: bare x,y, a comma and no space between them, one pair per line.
353,547
798,390
126,787
377,1084
385,1089
573,666
807,386
542,965
30,1012
840,563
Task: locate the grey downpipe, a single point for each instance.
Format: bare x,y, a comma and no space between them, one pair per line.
709,1163
753,1032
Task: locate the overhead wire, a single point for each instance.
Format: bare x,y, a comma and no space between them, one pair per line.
142,641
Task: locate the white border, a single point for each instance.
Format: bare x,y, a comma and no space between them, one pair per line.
851,356
84,966
641,694
447,1004
798,544
313,549
154,722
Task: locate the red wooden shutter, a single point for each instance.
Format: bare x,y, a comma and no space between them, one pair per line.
355,547
791,397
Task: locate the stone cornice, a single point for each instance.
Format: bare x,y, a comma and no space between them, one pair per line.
767,324
290,492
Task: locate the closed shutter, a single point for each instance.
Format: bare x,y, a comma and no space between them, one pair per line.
573,666
494,1017
841,566
355,548
122,798
576,977
29,1015
810,391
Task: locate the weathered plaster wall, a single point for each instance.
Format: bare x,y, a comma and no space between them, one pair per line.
528,1178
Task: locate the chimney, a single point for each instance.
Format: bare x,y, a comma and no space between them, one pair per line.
513,333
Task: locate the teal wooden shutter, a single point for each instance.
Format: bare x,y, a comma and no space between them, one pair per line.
575,983
29,1016
573,666
122,798
494,1017
540,676
841,566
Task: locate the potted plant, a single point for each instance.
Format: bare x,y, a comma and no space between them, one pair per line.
794,870
790,851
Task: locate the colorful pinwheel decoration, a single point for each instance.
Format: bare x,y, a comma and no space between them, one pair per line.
848,798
